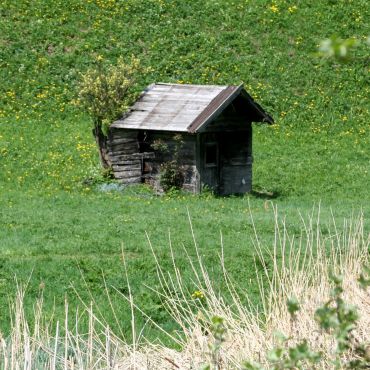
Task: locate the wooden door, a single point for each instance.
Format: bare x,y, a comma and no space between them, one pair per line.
235,163
210,161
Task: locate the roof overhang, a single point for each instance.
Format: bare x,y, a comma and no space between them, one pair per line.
221,101
215,107
185,108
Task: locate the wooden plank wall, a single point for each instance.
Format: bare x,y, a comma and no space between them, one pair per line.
125,157
135,161
186,159
233,133
236,163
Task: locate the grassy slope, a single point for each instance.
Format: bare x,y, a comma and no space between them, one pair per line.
51,223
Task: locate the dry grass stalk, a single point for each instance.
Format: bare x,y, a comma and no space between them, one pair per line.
303,273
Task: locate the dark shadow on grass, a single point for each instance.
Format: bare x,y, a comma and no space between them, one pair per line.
264,194
261,194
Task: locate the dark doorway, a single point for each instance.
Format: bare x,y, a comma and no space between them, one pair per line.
210,161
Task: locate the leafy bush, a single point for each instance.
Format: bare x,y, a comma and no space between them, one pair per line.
171,176
335,317
105,93
171,172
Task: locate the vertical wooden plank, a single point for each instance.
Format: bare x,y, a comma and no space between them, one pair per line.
198,163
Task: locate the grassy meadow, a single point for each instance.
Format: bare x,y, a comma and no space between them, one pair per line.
64,234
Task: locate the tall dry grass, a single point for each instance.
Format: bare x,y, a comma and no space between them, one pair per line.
296,266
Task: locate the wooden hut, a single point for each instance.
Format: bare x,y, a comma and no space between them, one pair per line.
215,123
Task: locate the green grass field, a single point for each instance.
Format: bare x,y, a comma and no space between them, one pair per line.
69,234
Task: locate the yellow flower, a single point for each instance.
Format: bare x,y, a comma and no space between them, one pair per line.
197,295
274,8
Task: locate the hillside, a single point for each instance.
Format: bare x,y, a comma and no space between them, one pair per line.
57,225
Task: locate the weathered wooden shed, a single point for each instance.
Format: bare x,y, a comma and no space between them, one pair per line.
215,123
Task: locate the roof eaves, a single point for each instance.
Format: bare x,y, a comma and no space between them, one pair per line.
215,107
265,117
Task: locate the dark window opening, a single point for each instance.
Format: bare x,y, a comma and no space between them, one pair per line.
211,152
144,142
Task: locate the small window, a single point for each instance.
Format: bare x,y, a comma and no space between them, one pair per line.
211,154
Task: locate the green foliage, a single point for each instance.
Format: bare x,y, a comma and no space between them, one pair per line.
171,173
339,318
284,356
171,176
218,330
295,357
293,306
99,176
337,48
364,279
335,317
160,146
107,91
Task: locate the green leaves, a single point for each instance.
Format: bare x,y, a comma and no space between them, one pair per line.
292,357
106,91
302,352
364,279
284,356
325,316
171,172
293,306
275,355
218,330
251,366
337,48
337,318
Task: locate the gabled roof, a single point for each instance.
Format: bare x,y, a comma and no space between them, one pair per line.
184,108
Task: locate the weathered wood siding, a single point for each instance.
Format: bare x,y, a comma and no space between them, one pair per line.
187,160
123,152
135,161
220,156
236,163
231,133
169,107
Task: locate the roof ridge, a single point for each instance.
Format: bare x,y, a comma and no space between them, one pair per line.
215,107
195,85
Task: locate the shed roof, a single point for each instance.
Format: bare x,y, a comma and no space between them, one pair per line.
184,108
